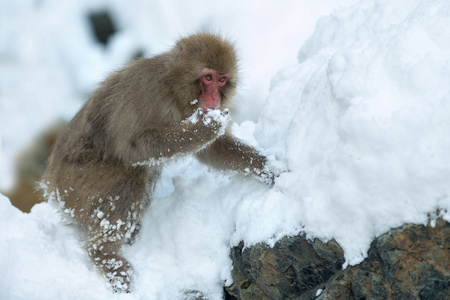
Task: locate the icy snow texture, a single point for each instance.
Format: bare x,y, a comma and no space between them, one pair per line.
361,123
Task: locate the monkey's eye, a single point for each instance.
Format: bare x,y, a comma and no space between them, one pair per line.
222,79
208,77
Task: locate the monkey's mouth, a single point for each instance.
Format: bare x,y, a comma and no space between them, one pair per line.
210,101
205,107
212,107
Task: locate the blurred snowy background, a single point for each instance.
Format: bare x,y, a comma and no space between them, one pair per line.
358,110
51,58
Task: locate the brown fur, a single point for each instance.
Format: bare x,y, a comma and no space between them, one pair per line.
30,166
136,115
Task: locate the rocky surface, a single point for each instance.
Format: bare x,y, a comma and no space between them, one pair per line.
410,262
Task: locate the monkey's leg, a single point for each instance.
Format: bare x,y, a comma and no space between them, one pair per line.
103,248
106,237
153,178
114,219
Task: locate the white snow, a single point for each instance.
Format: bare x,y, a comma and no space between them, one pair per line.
364,122
319,291
360,122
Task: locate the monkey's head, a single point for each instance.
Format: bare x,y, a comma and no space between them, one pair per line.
205,69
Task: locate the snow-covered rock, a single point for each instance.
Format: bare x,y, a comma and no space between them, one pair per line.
363,121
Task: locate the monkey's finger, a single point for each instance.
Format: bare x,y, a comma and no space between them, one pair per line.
268,178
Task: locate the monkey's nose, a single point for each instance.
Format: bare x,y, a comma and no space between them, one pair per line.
216,98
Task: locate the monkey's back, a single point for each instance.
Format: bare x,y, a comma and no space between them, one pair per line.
85,185
86,170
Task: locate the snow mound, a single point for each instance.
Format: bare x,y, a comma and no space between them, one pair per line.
363,122
42,258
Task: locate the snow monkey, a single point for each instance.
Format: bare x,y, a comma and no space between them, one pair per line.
105,163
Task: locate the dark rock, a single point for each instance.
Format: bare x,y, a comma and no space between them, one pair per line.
410,262
102,25
228,296
294,267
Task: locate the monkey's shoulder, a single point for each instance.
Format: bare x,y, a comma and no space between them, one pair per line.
154,66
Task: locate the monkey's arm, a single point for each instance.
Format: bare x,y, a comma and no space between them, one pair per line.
228,153
155,145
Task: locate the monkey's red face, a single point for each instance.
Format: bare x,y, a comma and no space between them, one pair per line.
211,83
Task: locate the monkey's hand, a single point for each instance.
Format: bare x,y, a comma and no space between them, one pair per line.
269,174
217,120
268,178
271,170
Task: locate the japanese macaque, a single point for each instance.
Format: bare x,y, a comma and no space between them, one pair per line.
30,166
105,164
